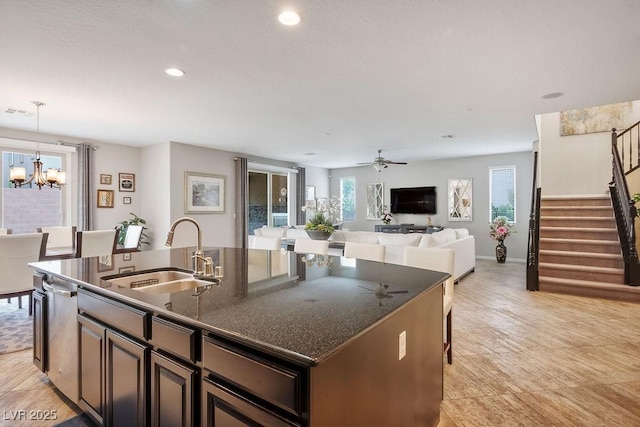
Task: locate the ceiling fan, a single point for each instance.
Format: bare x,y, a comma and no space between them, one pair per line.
380,162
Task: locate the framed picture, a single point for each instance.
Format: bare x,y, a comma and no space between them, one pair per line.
105,198
126,200
126,256
321,203
127,182
129,269
105,179
105,263
203,193
310,192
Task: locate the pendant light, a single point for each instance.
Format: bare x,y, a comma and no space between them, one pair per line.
53,178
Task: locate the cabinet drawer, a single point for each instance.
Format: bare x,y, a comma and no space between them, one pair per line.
276,384
173,338
223,407
120,316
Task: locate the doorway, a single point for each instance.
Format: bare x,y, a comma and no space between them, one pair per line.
268,200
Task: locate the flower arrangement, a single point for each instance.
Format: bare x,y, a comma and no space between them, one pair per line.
386,216
318,260
500,228
325,215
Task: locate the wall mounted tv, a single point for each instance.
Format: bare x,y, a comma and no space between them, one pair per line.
415,200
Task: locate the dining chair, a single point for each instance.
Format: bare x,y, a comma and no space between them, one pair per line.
265,242
368,251
132,237
438,259
96,243
310,246
16,251
60,237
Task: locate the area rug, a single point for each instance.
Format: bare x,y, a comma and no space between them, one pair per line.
15,326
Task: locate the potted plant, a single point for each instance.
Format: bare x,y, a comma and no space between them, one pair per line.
122,226
500,229
321,224
386,216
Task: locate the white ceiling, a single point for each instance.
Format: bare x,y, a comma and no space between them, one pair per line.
354,76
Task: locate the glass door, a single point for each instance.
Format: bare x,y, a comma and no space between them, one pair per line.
268,200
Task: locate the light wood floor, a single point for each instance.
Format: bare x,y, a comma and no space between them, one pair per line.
520,358
539,359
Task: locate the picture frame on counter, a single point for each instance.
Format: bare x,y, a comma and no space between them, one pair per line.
127,182
204,193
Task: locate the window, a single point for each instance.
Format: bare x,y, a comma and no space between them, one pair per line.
502,196
348,198
26,208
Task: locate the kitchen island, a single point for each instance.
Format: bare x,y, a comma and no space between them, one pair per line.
278,339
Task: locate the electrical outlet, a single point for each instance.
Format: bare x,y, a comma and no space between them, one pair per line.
402,345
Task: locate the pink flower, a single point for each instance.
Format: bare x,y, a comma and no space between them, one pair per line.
501,230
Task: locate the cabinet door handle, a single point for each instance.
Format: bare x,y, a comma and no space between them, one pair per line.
62,292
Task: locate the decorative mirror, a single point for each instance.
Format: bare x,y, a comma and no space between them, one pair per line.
375,201
460,199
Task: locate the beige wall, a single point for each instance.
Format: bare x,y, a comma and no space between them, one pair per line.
576,164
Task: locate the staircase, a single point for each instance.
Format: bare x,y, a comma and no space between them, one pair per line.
579,248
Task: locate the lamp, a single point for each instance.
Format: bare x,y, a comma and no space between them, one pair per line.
380,166
52,177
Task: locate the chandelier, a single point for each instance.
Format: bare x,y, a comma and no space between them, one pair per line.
53,178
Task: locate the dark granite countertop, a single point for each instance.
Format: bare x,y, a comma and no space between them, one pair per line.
277,301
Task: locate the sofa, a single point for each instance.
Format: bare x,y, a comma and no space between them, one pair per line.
457,239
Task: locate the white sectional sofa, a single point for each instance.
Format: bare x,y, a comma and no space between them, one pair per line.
457,239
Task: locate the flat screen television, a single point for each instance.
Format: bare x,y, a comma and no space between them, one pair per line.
415,200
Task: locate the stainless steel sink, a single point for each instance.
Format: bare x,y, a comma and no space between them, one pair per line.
161,281
147,278
176,286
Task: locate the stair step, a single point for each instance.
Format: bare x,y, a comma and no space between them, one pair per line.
577,221
589,233
589,288
581,211
581,258
582,272
582,200
580,245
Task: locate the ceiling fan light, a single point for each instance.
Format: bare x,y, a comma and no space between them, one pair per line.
378,167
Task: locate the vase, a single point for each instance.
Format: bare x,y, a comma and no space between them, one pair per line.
501,252
318,234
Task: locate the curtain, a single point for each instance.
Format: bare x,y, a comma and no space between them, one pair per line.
242,201
85,167
301,217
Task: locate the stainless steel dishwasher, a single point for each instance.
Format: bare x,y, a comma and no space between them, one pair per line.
62,339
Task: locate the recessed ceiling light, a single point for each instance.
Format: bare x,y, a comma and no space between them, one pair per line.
174,72
552,95
289,17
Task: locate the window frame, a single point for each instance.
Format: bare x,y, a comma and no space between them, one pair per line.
342,199
496,168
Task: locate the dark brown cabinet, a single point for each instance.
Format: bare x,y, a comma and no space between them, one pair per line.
172,392
126,375
40,330
92,364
